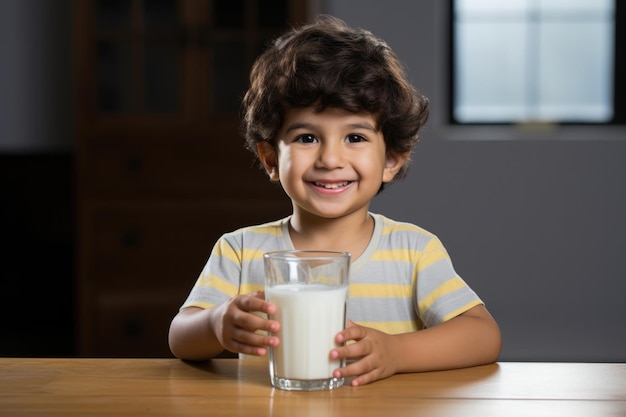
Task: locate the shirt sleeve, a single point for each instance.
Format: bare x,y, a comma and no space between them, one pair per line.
219,279
441,293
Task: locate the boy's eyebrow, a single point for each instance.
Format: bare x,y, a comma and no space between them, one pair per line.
304,125
298,125
365,126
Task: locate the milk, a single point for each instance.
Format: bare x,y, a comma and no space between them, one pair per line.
310,316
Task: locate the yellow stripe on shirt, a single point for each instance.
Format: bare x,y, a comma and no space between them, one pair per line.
252,254
250,288
381,290
199,304
223,249
209,280
393,255
389,228
226,251
429,257
447,287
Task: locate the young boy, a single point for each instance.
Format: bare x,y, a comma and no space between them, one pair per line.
331,116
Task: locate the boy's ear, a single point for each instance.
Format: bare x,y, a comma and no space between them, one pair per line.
394,162
269,159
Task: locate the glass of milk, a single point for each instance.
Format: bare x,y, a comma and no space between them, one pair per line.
310,292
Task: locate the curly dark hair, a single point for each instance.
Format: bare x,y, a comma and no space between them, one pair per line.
329,64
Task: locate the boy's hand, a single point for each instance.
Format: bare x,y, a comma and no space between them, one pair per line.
235,324
373,351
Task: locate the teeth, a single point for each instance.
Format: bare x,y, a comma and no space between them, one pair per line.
333,185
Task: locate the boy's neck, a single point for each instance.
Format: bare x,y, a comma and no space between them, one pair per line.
350,233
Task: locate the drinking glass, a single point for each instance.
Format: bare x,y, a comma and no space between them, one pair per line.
310,292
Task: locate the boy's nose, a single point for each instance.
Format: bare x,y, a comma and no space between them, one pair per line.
331,156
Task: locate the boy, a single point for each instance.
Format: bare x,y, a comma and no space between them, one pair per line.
331,116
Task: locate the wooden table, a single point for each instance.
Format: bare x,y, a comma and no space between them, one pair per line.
231,387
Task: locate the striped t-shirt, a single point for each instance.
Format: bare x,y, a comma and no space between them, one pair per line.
404,281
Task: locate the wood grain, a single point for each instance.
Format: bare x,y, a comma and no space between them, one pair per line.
230,387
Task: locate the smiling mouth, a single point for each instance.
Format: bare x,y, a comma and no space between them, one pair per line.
332,186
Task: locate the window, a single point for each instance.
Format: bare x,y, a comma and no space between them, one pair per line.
536,60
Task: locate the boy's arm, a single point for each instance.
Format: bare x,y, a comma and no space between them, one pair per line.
472,338
191,337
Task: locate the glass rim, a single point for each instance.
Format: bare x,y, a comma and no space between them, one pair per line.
308,254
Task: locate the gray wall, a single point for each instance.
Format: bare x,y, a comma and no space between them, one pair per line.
534,221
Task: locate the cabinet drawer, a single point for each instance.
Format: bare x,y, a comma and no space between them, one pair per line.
171,168
132,324
130,246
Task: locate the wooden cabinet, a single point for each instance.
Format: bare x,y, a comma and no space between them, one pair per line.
161,168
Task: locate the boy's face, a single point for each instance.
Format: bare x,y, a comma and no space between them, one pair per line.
330,163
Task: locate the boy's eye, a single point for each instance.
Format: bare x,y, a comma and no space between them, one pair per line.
306,139
355,138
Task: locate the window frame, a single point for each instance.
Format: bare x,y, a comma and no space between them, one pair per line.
496,129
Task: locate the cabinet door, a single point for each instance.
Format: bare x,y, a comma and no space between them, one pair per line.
215,167
149,65
141,262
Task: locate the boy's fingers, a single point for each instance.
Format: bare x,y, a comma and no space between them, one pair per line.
254,302
352,332
255,339
352,351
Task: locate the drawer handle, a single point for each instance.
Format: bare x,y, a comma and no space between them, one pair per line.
132,238
134,163
133,327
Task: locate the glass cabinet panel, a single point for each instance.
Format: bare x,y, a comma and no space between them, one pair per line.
113,15
161,66
114,76
230,75
147,49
